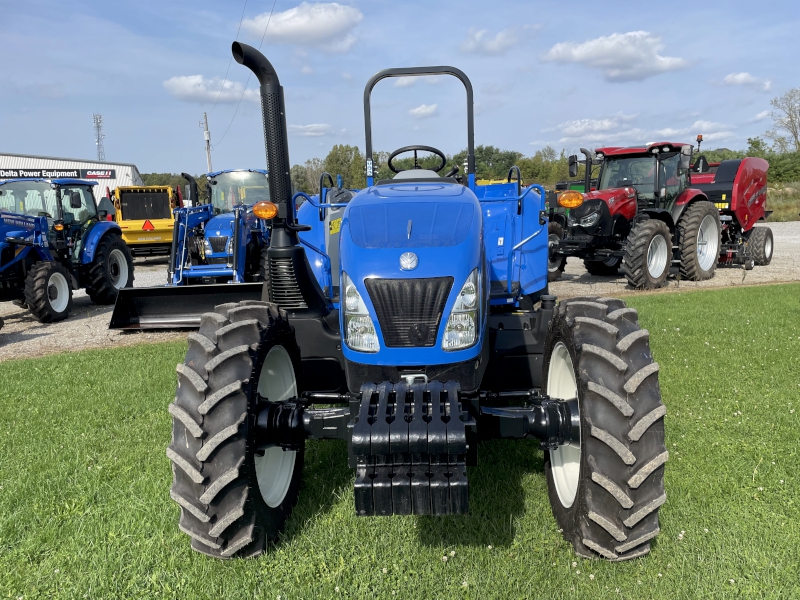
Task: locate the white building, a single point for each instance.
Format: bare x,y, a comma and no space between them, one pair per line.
107,174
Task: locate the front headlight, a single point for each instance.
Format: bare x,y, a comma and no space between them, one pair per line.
207,246
229,246
359,330
590,220
461,330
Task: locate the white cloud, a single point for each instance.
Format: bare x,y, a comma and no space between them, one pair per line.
313,130
306,70
584,128
402,82
747,80
327,26
480,41
423,111
764,114
198,89
632,56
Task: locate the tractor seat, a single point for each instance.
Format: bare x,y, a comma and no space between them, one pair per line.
417,174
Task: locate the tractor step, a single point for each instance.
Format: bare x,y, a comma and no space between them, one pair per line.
409,448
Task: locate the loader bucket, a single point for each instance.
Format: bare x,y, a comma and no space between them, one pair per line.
175,307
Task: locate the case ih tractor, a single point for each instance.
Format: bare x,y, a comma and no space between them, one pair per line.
53,240
429,344
738,188
643,216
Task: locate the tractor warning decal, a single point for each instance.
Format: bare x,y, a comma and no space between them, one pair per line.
148,226
335,225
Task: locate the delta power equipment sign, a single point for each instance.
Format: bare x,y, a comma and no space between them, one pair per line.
50,173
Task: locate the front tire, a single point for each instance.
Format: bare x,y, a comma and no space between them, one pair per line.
555,264
761,244
110,271
648,253
48,292
605,493
233,497
699,234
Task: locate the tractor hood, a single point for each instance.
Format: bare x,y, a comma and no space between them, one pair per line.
413,231
220,225
611,196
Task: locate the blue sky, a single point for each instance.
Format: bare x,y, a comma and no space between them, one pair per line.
567,74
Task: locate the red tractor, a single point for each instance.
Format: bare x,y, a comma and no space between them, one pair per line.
647,213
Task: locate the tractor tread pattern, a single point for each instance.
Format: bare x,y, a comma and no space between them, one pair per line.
36,292
100,289
634,264
688,227
214,481
621,488
757,245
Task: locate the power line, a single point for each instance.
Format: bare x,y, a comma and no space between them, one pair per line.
248,77
230,60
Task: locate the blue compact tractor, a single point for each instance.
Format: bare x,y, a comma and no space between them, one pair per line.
426,330
55,239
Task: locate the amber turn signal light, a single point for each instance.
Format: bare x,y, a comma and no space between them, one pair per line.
570,199
58,227
265,210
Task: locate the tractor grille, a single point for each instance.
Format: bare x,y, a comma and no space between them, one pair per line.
283,288
409,310
218,243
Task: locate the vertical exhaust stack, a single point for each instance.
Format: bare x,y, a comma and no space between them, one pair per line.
289,282
273,113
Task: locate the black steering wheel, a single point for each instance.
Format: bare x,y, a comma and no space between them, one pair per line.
439,153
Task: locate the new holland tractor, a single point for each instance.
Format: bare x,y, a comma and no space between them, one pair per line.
54,239
644,216
437,337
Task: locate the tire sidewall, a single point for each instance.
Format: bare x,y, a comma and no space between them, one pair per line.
661,230
708,210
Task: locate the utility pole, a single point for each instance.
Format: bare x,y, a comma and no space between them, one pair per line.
98,136
207,135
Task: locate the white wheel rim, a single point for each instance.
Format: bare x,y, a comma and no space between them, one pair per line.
707,242
553,263
58,292
565,462
117,268
768,248
657,256
274,470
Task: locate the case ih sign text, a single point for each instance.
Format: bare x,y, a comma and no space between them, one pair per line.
58,173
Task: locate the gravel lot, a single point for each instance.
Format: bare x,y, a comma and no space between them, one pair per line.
87,327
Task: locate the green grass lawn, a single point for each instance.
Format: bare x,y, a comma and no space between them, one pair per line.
85,509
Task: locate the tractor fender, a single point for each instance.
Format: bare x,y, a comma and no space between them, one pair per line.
661,215
621,226
92,239
685,199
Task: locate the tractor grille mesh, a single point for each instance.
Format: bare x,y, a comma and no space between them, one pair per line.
283,288
218,243
409,310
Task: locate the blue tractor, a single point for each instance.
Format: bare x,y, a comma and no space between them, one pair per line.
426,331
213,245
55,239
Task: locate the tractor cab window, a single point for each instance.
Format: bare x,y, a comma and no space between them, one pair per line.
637,172
237,187
670,178
33,198
77,215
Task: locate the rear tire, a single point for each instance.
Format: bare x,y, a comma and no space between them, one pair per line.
761,244
48,292
606,493
556,264
110,271
648,253
232,500
607,267
699,235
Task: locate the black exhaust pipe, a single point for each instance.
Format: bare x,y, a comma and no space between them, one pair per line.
587,177
290,282
193,193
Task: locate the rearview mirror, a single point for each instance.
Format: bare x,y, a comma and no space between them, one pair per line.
573,166
686,158
75,200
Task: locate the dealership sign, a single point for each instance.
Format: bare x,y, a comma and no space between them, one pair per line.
51,173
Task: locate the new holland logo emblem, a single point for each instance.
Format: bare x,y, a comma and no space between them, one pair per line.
408,261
